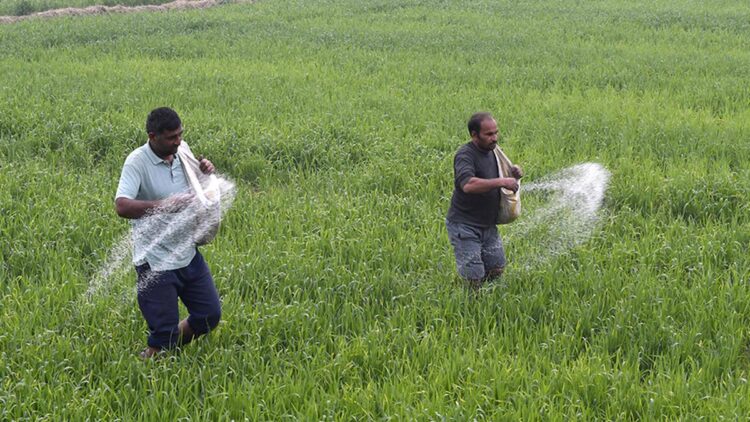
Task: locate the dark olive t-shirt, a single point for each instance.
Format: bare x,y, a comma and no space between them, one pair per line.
476,209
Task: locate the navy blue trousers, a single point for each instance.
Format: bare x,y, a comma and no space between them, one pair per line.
157,297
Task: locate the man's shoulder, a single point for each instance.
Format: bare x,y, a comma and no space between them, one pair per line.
466,150
138,156
465,146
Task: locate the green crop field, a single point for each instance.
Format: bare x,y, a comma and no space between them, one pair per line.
338,121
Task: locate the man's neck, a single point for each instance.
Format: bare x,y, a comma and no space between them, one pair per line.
476,145
168,158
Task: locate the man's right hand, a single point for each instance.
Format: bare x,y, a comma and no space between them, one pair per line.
509,183
177,202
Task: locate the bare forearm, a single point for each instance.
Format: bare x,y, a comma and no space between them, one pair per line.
478,185
135,208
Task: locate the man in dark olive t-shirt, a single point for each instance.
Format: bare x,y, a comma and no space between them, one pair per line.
475,205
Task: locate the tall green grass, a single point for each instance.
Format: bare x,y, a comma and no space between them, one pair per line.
339,121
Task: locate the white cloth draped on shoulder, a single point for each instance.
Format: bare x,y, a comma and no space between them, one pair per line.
206,190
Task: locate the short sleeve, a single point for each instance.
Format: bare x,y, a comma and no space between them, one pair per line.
130,182
463,169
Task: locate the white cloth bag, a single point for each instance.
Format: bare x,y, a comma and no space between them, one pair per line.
510,202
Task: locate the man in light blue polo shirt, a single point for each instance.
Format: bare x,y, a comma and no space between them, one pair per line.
152,191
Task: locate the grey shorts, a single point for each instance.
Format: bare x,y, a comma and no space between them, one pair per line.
477,249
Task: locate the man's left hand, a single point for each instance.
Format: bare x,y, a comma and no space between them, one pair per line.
516,172
207,167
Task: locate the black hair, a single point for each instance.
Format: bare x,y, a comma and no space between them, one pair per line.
162,119
475,121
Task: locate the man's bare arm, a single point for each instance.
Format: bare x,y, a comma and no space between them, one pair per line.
137,208
478,185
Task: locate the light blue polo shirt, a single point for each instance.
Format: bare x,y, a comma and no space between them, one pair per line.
163,240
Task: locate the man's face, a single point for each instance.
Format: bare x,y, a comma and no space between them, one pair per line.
486,138
167,142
